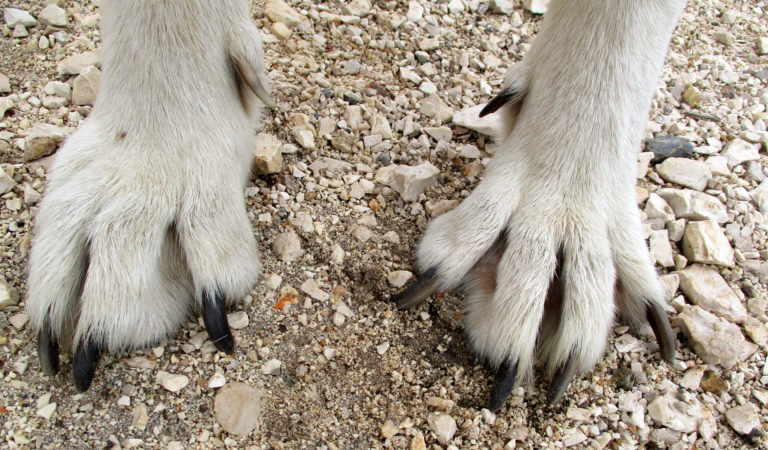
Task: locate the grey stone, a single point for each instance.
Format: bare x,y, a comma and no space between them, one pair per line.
676,230
279,11
19,31
685,172
706,288
714,339
759,195
237,408
664,147
705,242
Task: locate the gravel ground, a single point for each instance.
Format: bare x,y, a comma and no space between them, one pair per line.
325,359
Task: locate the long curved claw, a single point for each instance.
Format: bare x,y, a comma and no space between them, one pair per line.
561,380
418,291
85,362
508,95
657,318
215,319
502,385
48,351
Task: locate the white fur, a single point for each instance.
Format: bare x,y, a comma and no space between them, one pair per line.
564,178
144,207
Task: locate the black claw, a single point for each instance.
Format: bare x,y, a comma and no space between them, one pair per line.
657,318
561,380
418,291
84,366
48,351
215,318
506,96
502,385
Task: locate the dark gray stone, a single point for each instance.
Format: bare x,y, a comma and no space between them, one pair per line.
664,147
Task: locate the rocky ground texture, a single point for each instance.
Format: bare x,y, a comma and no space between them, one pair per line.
370,139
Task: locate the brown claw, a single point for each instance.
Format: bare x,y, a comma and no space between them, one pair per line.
657,318
418,291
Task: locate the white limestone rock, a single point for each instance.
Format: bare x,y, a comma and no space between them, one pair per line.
705,242
237,408
490,125
412,181
706,288
714,339
694,205
686,172
739,151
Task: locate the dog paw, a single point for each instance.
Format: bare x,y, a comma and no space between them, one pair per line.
543,265
122,258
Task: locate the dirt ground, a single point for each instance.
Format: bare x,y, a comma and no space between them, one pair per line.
355,372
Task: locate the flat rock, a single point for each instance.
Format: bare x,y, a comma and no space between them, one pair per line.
267,156
739,151
657,208
271,367
661,249
311,288
399,278
664,147
705,287
238,320
443,425
759,195
43,140
86,86
237,407
689,173
705,242
6,182
668,410
744,419
439,133
279,11
5,104
74,64
287,246
5,84
490,125
536,6
171,382
359,8
714,339
412,181
15,16
54,16
694,205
